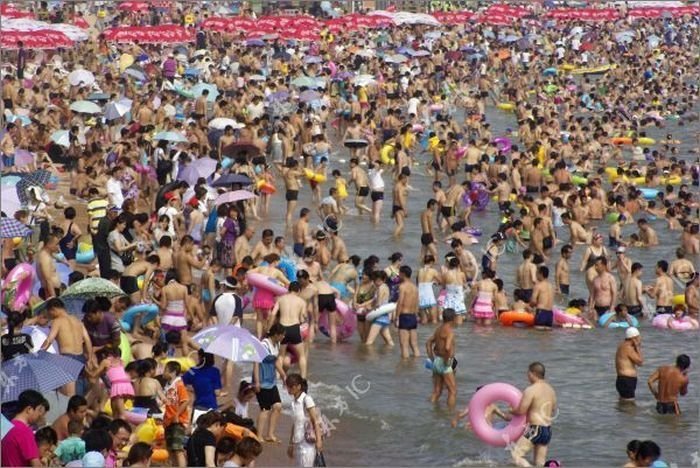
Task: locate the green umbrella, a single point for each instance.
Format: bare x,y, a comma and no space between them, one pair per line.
92,287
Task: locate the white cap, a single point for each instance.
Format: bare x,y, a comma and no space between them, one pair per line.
631,332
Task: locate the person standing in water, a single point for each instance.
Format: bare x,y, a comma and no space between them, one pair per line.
441,351
406,315
667,382
538,405
627,358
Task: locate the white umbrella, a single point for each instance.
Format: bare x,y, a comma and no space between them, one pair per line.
61,138
118,109
220,123
84,77
85,107
364,80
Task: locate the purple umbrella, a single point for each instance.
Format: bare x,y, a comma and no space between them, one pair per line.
189,174
255,43
10,200
234,196
40,371
231,342
278,96
312,59
308,96
343,75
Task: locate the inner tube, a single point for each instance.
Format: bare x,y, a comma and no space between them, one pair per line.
160,456
314,176
288,267
549,72
185,362
265,187
149,311
649,193
667,321
265,282
679,299
487,395
506,106
17,286
578,180
504,144
646,141
516,319
621,141
85,256
612,217
356,143
345,324
387,308
603,318
125,348
561,318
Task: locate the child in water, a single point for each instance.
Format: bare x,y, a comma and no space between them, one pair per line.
490,415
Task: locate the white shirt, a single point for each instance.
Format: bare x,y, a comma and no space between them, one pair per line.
376,183
114,191
299,408
413,105
226,305
170,212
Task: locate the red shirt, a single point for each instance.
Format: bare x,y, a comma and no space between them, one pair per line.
19,447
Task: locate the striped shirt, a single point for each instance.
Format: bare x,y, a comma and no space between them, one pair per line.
97,209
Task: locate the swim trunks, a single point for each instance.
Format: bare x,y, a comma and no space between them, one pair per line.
395,209
408,321
129,284
292,334
363,191
600,310
447,211
299,249
664,310
326,303
442,367
547,242
667,408
635,310
538,435
531,189
544,318
292,195
376,196
626,386
268,397
564,288
426,239
470,167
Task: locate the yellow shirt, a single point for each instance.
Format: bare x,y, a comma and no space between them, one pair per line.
362,95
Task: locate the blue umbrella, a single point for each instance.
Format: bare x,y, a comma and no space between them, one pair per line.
40,371
255,43
200,87
135,73
278,96
231,179
192,72
509,38
5,426
308,96
171,136
98,97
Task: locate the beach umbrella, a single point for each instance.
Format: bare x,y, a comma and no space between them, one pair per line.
625,36
39,335
98,97
202,167
510,38
234,343
22,120
366,53
277,97
174,137
231,179
236,150
364,80
200,87
10,200
10,180
116,110
255,43
256,78
81,77
312,59
308,96
220,123
396,58
85,107
92,287
5,426
11,228
136,73
303,82
40,371
234,196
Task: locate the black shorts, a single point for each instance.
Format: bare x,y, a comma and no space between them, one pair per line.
635,310
547,243
664,310
376,196
197,116
470,167
10,263
292,195
129,284
363,191
447,211
299,249
395,209
600,310
268,397
408,321
326,303
667,408
532,189
538,435
503,206
544,318
564,288
626,386
292,335
426,239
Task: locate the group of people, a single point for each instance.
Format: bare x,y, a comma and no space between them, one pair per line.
130,211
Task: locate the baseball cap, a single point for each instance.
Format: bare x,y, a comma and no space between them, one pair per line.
631,332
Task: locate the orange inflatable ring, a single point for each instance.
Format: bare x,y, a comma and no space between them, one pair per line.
160,456
621,141
513,318
239,432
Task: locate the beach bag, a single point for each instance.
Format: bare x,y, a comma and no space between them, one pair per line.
310,433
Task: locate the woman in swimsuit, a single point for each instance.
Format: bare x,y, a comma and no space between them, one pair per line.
362,303
173,304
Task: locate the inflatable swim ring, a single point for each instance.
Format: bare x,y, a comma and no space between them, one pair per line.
506,106
621,141
387,308
679,299
346,321
604,318
149,311
645,141
612,217
265,187
85,253
125,348
667,321
578,180
673,180
356,144
17,286
649,193
160,456
561,318
288,267
504,144
314,176
514,319
265,282
487,395
550,72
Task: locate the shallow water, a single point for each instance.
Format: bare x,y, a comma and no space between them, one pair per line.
380,404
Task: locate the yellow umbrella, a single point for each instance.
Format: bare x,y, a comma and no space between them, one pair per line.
125,61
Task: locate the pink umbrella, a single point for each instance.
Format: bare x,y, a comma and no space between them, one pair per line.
234,196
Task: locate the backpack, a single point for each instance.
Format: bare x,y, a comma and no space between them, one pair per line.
324,424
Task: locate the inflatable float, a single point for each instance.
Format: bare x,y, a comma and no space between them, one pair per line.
487,395
346,321
625,324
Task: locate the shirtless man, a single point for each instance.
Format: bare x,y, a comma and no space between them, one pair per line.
526,276
308,294
533,177
440,348
241,248
561,275
165,252
627,358
291,173
440,198
50,282
339,251
543,300
72,338
692,296
427,238
300,232
671,381
399,210
129,279
647,235
623,264
185,259
358,177
290,311
633,291
453,197
406,314
681,268
427,304
603,297
662,289
467,261
265,246
310,265
578,234
539,404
